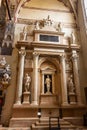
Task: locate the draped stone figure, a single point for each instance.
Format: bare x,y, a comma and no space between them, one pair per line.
71,85
27,81
48,83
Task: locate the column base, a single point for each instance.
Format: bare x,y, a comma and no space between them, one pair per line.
26,98
34,103
65,104
80,104
17,103
72,98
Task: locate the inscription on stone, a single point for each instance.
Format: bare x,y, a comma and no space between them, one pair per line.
49,38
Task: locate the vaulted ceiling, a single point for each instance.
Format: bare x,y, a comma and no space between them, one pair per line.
72,4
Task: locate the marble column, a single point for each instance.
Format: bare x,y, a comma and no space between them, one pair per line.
42,83
76,76
53,85
63,81
35,79
22,54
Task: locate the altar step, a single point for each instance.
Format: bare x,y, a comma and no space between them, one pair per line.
15,128
43,124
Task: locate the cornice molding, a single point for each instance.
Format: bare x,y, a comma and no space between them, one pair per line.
33,21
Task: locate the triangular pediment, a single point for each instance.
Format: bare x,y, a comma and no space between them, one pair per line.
48,68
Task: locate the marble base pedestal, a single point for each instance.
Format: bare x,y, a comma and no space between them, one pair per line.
48,99
72,98
26,98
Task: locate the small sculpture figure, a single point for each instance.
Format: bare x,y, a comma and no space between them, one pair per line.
73,38
48,83
25,33
48,21
8,68
71,85
59,29
37,25
27,82
3,61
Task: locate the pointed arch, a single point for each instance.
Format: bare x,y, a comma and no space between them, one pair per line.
19,6
70,5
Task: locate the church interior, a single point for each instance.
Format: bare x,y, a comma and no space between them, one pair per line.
43,65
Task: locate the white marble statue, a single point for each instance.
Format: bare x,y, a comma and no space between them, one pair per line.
73,38
48,83
59,28
48,21
71,84
37,27
27,81
25,33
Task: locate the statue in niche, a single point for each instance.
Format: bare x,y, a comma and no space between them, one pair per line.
48,83
69,65
73,38
25,33
71,88
27,82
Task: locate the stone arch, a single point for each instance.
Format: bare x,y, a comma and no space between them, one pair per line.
19,6
53,61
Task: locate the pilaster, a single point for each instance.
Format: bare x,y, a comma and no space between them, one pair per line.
76,76
63,81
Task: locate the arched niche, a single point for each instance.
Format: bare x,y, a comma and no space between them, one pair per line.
49,67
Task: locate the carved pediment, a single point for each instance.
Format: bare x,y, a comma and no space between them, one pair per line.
48,68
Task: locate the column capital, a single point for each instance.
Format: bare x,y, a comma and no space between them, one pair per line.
36,54
22,51
74,56
62,57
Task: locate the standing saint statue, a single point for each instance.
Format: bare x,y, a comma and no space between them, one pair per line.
73,38
71,84
59,28
48,83
27,82
25,32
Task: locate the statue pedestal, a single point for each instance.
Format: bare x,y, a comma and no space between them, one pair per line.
48,99
26,98
72,98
